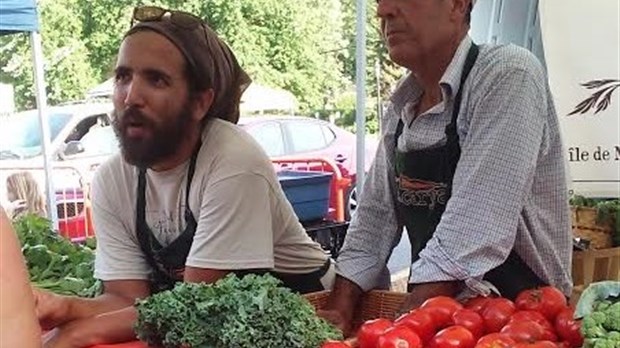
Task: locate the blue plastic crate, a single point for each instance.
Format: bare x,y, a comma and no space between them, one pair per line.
308,192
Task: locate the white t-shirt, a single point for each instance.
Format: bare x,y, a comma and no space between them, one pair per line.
244,219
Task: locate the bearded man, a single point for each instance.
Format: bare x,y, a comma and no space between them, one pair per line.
191,197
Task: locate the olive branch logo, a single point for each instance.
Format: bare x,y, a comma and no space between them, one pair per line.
599,100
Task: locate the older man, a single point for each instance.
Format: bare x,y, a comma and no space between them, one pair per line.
470,162
191,197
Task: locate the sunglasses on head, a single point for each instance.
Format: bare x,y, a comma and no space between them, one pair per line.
153,13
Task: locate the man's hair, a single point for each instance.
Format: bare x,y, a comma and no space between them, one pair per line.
209,63
196,83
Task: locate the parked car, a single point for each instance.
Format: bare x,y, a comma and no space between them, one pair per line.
304,137
81,138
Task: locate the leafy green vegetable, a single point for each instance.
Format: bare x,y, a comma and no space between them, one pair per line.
254,311
594,294
599,306
54,263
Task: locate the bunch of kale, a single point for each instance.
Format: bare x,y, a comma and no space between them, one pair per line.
254,311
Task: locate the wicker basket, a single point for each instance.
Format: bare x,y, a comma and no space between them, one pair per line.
375,304
585,226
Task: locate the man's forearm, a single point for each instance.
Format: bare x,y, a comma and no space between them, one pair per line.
106,328
80,308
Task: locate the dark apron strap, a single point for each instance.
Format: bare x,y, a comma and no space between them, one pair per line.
148,243
450,131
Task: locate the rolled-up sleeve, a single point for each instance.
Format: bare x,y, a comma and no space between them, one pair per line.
505,131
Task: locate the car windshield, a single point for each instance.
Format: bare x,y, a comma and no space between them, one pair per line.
20,135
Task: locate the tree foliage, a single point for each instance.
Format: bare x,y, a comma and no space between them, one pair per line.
304,46
67,70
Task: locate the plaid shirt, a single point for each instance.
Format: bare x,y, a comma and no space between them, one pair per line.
509,189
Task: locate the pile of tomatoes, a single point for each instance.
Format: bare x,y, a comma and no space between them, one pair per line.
538,318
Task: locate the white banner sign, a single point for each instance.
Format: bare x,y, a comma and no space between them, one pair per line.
581,44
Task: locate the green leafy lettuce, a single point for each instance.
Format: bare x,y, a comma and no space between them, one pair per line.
54,263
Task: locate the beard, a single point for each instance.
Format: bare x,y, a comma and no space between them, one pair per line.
156,141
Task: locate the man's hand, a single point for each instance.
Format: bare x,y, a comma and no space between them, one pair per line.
107,328
51,309
341,304
422,292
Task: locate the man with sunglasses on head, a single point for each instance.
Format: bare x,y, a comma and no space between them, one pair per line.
470,162
191,197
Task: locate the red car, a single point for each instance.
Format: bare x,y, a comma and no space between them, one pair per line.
304,137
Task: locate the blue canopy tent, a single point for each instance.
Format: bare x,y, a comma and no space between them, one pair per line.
19,16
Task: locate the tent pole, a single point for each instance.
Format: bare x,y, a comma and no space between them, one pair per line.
360,86
37,55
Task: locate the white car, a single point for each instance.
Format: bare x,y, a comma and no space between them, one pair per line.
81,139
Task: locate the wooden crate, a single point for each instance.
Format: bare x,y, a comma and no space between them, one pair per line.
585,226
594,265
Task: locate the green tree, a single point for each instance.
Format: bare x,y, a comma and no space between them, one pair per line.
287,44
67,71
103,23
291,44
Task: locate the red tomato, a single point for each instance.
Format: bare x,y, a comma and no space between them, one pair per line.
335,344
369,332
453,337
419,321
476,304
497,313
533,316
568,328
549,330
442,308
547,300
495,340
470,320
539,344
399,337
523,331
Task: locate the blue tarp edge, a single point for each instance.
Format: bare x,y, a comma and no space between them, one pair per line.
18,16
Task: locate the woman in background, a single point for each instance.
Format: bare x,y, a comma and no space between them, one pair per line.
18,325
24,195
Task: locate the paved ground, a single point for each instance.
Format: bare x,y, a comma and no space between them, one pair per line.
398,264
401,256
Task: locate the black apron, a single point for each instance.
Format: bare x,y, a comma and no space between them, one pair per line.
424,186
168,262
